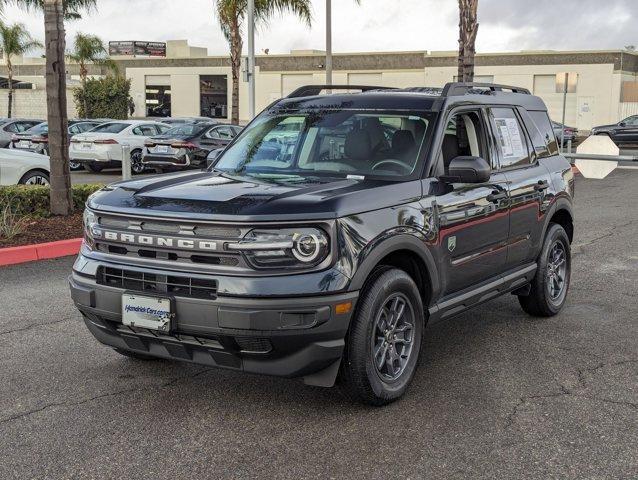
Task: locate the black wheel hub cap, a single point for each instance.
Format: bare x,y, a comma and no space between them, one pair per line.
393,337
556,270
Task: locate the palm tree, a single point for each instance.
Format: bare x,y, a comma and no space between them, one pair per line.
468,28
231,15
55,12
14,40
89,48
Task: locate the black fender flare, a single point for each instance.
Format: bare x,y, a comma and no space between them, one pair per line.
393,244
561,203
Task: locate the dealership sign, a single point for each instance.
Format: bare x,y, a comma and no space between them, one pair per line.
149,49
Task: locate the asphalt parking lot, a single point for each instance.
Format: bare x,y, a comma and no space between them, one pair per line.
498,394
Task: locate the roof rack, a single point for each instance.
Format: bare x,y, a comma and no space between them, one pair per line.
312,90
463,88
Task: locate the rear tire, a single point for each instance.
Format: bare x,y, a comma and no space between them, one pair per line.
551,282
137,167
384,341
75,166
135,355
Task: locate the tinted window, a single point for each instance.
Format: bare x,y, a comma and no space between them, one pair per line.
544,126
111,127
145,130
510,138
464,136
631,120
186,130
40,129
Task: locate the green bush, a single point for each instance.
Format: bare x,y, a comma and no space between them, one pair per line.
33,201
107,97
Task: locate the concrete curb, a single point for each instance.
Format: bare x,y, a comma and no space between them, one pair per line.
39,251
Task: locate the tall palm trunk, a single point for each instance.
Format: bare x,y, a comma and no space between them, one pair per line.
61,201
468,28
236,46
83,75
10,75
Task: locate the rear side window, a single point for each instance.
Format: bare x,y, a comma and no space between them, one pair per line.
510,138
544,125
110,127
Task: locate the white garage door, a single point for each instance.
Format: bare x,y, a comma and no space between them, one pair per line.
364,79
291,82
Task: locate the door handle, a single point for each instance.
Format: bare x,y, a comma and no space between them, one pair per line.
496,195
541,185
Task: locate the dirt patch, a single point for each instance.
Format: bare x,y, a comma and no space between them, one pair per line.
41,230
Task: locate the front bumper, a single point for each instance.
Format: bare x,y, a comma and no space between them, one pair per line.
281,336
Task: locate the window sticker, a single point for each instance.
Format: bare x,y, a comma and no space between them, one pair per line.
509,136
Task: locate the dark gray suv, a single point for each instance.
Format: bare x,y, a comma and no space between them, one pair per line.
331,231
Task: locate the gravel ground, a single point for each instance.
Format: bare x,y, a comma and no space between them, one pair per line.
498,394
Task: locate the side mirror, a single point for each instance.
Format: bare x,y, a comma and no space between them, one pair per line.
622,124
470,169
212,157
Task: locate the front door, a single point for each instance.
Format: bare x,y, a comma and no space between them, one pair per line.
473,219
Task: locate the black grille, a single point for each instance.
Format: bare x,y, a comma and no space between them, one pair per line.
155,283
253,344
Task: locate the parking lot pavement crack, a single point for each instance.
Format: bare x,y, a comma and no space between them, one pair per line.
579,248
523,400
169,383
583,371
34,325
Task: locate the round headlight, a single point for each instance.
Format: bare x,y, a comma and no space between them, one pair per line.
306,247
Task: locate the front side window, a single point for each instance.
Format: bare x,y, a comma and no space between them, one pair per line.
632,121
329,143
464,136
510,138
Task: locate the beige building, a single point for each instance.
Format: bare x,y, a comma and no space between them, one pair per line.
603,84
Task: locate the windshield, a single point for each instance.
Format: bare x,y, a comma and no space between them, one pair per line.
188,129
110,127
334,143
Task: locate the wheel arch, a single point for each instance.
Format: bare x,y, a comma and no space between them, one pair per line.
562,214
409,254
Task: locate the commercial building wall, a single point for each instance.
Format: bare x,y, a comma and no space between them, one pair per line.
595,101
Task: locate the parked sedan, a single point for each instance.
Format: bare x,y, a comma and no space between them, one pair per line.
26,168
569,134
186,145
623,133
36,139
102,146
11,126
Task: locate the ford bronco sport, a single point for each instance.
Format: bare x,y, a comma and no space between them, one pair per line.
330,231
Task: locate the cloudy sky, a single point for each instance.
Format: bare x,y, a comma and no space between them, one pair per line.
376,25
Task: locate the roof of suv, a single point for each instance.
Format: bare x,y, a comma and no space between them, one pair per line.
415,98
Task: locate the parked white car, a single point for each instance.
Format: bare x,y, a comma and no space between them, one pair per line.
101,147
27,168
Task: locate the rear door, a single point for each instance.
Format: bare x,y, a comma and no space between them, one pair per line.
473,217
528,180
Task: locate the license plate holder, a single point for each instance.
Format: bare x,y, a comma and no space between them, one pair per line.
87,146
161,149
148,311
24,144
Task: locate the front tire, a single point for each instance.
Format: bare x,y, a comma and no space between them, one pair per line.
384,341
75,166
549,288
35,177
137,166
93,168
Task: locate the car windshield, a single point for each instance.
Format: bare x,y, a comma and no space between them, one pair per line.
39,129
110,127
188,129
329,143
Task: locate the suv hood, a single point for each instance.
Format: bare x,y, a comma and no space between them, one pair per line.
216,196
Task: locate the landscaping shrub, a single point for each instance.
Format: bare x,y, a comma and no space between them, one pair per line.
33,201
107,97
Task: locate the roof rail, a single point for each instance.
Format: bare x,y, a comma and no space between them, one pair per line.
463,88
312,90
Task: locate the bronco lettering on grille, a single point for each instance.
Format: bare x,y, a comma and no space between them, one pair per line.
155,241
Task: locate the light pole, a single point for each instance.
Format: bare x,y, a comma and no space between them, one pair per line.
251,59
328,42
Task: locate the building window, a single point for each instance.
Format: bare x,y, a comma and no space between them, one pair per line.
158,101
213,96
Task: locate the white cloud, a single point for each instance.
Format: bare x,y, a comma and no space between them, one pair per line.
376,25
